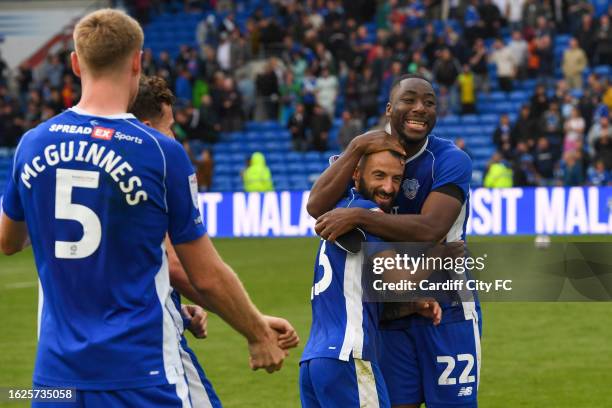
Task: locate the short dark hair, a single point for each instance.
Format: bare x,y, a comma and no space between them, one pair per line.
152,93
365,157
401,78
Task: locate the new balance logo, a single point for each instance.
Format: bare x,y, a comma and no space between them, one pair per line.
102,133
465,392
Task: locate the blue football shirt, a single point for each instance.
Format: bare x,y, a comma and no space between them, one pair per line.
98,195
343,325
437,164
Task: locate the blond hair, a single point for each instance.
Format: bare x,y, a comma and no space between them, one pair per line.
105,38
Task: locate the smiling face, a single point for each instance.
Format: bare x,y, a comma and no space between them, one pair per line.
412,110
379,177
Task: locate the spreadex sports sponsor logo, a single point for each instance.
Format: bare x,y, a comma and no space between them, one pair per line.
103,133
97,132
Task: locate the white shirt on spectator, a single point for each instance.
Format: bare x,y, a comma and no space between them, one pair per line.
223,55
516,11
504,60
519,51
326,89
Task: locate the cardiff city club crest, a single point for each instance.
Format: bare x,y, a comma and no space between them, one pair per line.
410,187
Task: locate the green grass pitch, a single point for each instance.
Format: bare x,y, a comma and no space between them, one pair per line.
534,354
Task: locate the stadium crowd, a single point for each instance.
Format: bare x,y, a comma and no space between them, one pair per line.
306,63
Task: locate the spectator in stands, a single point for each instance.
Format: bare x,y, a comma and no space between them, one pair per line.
571,169
268,91
603,42
603,150
351,127
598,130
297,127
472,23
502,137
467,90
208,122
503,59
551,122
518,48
326,91
3,70
525,128
367,89
586,37
544,161
445,71
546,56
498,174
478,65
224,52
240,52
70,91
598,175
513,13
524,173
538,103
204,165
574,63
230,107
574,131
182,86
11,126
257,177
492,18
320,125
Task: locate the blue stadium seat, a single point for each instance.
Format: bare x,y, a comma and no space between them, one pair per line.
282,184
221,159
449,120
602,70
252,136
223,169
277,168
470,119
312,156
291,157
296,167
520,96
483,152
238,157
275,157
489,118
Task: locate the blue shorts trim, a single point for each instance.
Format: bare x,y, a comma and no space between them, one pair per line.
201,391
332,383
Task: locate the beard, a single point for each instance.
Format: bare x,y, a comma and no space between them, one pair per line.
370,194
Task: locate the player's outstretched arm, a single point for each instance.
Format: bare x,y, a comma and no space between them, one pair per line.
439,213
223,291
13,235
332,184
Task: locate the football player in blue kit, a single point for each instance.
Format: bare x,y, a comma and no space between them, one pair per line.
96,191
153,107
439,366
339,366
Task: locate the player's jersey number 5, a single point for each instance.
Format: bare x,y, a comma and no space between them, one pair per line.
65,209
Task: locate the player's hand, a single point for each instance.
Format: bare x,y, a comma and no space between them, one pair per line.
287,336
265,353
429,308
199,320
455,249
377,141
336,222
